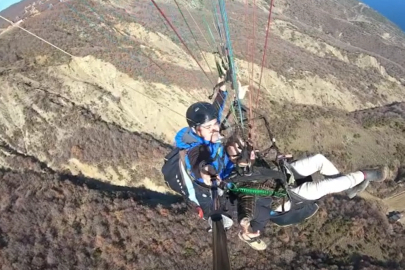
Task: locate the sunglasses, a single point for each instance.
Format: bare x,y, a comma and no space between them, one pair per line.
210,126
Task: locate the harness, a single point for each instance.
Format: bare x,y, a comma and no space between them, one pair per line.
179,177
301,208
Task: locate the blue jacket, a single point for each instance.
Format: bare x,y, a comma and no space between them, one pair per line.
187,139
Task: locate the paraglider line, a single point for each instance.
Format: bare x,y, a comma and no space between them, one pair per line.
47,42
230,53
74,57
192,33
182,41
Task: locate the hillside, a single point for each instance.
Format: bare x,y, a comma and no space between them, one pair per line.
63,224
82,138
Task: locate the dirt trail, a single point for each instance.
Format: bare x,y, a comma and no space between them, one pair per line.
396,202
8,29
393,203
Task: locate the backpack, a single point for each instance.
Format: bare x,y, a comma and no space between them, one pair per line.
176,178
172,173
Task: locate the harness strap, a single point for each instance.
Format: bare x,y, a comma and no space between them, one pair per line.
182,164
291,179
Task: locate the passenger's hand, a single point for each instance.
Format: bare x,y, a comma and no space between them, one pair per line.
242,90
222,79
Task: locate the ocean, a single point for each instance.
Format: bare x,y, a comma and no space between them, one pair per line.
393,10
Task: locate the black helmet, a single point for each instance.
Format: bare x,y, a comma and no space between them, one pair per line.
200,113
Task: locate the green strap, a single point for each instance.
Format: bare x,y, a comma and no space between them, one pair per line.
258,192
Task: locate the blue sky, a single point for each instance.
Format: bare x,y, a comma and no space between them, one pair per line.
6,3
394,10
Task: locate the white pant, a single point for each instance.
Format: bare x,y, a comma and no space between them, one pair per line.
316,190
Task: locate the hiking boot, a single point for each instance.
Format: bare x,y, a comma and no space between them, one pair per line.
352,192
378,175
255,243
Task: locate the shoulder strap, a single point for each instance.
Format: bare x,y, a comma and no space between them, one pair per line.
182,154
182,164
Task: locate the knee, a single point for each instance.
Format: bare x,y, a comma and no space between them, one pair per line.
319,157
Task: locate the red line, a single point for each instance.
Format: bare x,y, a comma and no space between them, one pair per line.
265,48
167,20
254,40
252,61
248,53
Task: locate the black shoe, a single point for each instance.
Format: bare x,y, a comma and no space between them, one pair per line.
378,175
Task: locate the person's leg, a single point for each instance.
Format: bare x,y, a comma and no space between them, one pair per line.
370,175
316,190
310,165
252,217
261,215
